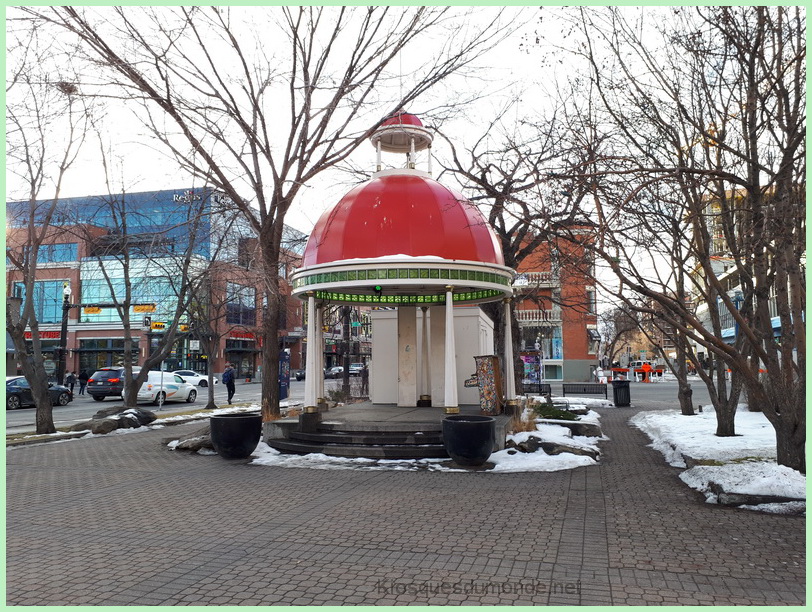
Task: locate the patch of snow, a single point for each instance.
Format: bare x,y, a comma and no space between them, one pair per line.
119,432
751,478
747,460
267,456
536,462
785,508
695,437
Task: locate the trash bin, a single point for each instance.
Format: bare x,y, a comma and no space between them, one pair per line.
621,394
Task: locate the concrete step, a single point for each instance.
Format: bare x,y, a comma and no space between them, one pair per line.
369,438
382,451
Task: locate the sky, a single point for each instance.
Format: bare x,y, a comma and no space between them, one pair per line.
141,167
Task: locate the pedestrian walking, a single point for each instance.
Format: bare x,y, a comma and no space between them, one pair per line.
70,381
83,378
365,380
228,381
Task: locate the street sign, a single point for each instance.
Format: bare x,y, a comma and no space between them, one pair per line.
147,323
143,307
91,310
194,345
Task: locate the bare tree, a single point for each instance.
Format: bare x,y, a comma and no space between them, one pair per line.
706,173
261,121
137,259
47,122
506,170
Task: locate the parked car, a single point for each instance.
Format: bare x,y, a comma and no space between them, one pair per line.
201,380
163,387
18,393
108,382
334,372
298,374
356,368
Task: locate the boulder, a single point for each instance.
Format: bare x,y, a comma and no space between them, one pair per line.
194,441
110,419
144,417
532,444
554,448
103,426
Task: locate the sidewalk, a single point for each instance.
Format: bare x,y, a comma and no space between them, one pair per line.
121,520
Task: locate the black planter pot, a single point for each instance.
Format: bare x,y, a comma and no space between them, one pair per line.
235,436
469,440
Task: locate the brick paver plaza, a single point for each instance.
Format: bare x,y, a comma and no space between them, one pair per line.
118,520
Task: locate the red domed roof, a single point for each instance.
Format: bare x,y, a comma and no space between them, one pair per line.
402,214
403,118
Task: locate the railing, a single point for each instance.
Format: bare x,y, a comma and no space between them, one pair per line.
533,316
536,279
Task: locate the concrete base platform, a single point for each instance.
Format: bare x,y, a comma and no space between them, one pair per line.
374,431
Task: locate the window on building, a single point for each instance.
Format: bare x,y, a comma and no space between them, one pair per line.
57,253
241,304
591,300
246,248
144,290
47,299
593,341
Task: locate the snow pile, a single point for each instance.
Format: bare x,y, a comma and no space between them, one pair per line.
746,462
582,402
751,478
677,436
265,455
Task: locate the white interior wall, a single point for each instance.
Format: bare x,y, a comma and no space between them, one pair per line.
473,332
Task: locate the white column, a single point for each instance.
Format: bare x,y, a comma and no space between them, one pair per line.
311,371
320,351
407,356
451,402
510,375
425,371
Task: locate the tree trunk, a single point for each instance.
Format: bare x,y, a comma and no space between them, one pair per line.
270,334
790,440
685,396
725,418
684,392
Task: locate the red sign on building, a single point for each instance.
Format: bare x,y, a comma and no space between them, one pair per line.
43,335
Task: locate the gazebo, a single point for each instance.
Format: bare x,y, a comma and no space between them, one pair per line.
402,240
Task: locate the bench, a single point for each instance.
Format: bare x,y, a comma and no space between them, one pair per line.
540,389
586,388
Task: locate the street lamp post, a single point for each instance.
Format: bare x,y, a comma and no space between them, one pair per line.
738,298
63,335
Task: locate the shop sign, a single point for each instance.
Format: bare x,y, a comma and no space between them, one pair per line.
237,335
43,335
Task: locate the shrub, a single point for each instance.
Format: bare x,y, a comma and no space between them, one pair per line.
548,411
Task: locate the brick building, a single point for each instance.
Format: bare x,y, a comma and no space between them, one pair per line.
101,247
556,308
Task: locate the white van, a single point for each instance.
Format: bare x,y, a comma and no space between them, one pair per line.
163,387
